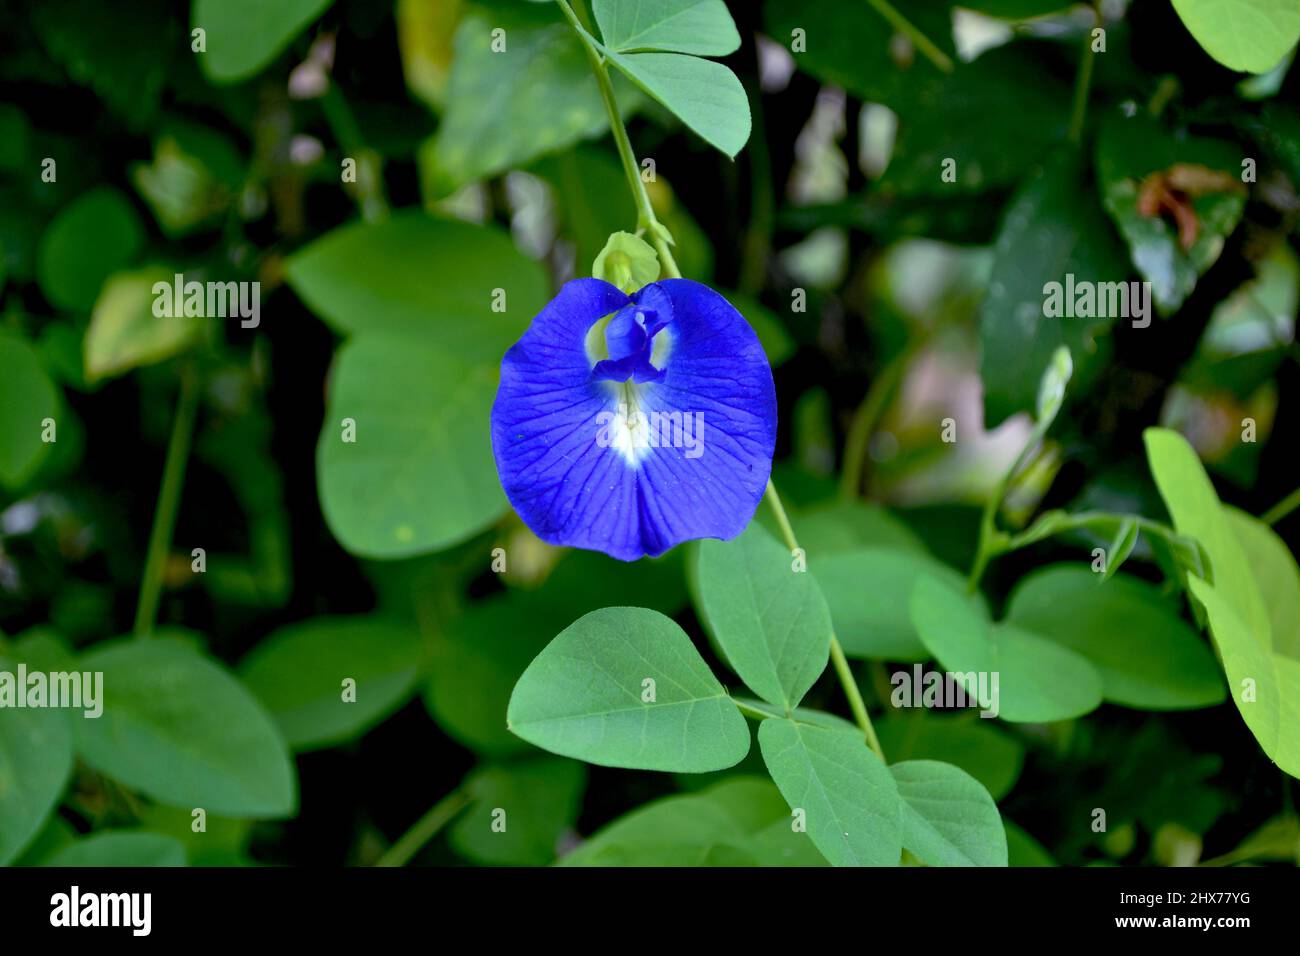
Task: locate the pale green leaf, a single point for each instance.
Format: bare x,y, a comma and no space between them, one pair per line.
624,687
1194,505
1265,686
1276,576
704,95
125,332
770,620
1120,549
702,27
949,819
1247,35
851,804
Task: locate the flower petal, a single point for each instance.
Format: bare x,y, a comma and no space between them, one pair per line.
573,488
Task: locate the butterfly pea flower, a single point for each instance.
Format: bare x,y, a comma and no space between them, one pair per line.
631,423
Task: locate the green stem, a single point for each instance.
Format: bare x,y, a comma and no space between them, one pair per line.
750,709
164,519
919,39
425,829
1283,508
864,423
992,542
645,214
1082,84
840,662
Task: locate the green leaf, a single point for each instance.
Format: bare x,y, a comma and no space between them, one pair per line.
1265,686
520,812
504,109
1120,549
949,819
704,95
125,333
851,804
1251,36
1051,387
476,662
195,174
243,36
27,398
1051,229
1146,655
1194,506
701,27
1129,151
869,590
35,763
298,673
973,744
1038,681
119,848
1276,576
771,621
182,730
419,476
955,123
92,238
742,821
624,687
420,276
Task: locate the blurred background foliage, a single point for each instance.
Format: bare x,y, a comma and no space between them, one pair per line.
381,172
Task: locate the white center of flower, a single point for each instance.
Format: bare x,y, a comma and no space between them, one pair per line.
627,428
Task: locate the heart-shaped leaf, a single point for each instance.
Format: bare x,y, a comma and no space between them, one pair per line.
624,687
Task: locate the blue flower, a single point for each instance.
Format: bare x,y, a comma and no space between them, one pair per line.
633,435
